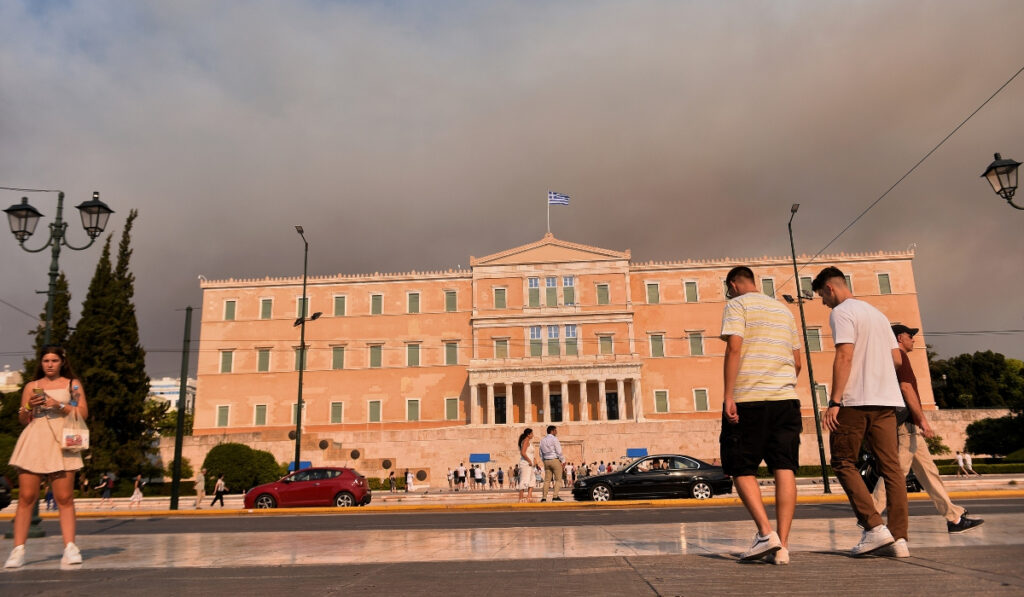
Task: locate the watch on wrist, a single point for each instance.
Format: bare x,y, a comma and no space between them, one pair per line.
835,404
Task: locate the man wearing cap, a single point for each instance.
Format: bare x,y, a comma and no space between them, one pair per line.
913,449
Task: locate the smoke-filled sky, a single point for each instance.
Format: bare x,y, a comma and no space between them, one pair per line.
410,135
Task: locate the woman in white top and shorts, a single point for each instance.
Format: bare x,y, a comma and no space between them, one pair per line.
527,481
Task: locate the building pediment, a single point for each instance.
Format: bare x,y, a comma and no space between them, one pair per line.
549,250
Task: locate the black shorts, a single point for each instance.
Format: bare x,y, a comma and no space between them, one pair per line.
768,431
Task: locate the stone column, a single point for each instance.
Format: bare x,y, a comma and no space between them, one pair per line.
602,406
638,401
565,402
620,391
584,411
474,400
527,404
509,407
547,401
490,404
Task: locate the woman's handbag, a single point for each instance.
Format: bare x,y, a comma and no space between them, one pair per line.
75,436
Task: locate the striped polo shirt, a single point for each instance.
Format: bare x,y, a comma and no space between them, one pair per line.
767,371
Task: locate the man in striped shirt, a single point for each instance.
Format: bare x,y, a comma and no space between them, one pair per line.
760,410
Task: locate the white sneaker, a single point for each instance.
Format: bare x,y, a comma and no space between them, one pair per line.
872,540
17,557
72,555
762,546
779,558
897,550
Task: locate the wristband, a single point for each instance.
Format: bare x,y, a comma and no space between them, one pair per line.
835,404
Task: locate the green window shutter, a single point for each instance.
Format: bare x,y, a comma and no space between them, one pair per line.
266,308
805,286
568,295
553,348
338,357
570,347
653,296
602,294
263,360
606,344
376,304
499,298
222,416
339,306
536,348
226,360
814,340
822,394
302,307
337,412
661,401
412,352
414,302
261,415
849,282
696,345
501,349
375,356
691,292
551,296
300,362
884,287
412,410
451,409
451,353
450,301
768,287
658,346
374,411
535,297
229,310
700,400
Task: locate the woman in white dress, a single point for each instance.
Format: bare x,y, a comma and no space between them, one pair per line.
526,464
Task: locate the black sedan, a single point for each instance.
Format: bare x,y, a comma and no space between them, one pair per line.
663,475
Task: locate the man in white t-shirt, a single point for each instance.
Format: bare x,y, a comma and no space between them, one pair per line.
865,396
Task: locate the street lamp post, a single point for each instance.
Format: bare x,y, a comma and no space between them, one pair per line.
23,219
807,351
1002,175
301,323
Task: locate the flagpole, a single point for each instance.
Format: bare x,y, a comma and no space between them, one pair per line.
549,215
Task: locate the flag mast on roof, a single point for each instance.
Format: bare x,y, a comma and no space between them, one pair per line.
555,198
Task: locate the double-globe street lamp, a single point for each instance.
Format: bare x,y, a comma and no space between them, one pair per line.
23,219
1002,175
304,316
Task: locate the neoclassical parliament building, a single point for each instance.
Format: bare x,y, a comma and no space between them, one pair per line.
422,370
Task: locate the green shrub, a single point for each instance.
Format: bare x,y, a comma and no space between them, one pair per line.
377,484
935,445
186,470
1017,456
241,466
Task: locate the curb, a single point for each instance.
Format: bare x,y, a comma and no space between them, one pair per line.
839,498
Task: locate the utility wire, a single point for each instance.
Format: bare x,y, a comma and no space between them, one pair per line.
20,190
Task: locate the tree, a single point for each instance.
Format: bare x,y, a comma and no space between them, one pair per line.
996,436
982,380
242,466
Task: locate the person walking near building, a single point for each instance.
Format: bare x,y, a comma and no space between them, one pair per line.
527,461
865,396
478,476
913,449
451,479
761,418
200,488
969,464
501,478
219,489
551,456
55,394
392,483
106,485
136,499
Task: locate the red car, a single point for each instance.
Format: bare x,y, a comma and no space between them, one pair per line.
323,486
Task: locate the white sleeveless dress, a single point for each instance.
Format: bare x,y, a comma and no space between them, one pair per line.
527,475
38,449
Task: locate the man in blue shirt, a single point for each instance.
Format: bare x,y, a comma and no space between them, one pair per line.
551,454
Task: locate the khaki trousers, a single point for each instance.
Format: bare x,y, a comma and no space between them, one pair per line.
552,476
877,425
914,454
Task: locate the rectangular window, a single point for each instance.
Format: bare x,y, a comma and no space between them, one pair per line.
883,284
227,358
849,282
553,345
451,301
373,411
260,415
263,360
661,401
414,302
570,340
451,409
222,415
302,307
814,340
266,308
300,362
700,400
499,298
568,290
534,284
691,292
696,344
229,310
501,349
412,355
451,353
768,286
822,393
606,344
375,356
376,304
602,294
805,286
551,291
337,357
657,345
536,348
412,410
337,412
339,306
653,294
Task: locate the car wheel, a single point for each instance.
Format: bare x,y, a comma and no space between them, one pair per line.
266,501
701,491
344,500
601,493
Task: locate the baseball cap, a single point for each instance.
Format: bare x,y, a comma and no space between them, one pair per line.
899,328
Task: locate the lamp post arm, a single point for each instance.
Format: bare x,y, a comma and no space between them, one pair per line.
1014,205
49,241
64,239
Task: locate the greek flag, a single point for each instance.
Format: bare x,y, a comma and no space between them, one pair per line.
557,198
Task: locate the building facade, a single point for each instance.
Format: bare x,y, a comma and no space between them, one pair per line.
551,331
168,389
